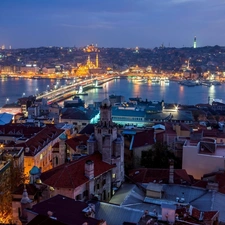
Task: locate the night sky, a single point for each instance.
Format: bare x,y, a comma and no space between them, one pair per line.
111,23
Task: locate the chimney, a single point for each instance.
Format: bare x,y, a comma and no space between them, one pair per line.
89,169
171,172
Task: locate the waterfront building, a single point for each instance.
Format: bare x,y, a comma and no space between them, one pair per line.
48,70
29,69
218,105
147,113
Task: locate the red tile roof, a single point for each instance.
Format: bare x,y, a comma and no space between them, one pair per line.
37,142
145,175
19,130
71,175
209,215
200,184
78,140
144,138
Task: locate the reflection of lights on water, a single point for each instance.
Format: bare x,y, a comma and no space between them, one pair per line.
212,90
181,88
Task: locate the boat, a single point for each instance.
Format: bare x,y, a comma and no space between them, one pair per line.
98,87
166,80
207,83
83,93
215,82
141,80
188,83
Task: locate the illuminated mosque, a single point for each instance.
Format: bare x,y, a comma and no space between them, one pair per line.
90,65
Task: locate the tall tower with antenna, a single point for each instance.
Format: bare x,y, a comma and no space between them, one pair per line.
195,42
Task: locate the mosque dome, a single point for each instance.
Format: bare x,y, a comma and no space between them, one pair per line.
106,102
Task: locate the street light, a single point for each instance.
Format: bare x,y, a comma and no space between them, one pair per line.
23,94
36,90
7,100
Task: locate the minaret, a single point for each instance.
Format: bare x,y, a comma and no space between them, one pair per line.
88,61
96,60
195,42
25,203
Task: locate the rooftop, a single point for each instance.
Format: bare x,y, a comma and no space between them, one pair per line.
65,210
72,175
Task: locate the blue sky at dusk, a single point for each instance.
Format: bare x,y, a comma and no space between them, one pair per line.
111,23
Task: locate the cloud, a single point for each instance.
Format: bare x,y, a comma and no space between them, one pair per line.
102,25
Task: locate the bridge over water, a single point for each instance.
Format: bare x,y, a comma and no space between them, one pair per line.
71,89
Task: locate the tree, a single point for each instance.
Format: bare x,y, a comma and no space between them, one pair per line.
159,157
11,176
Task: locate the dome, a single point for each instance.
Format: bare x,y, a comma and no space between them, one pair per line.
35,170
106,102
63,136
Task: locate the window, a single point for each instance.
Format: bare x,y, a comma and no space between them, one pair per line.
84,123
78,197
97,186
113,175
103,182
85,193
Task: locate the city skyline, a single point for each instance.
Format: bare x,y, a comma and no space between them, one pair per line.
118,23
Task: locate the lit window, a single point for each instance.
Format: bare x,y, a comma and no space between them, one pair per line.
113,175
41,156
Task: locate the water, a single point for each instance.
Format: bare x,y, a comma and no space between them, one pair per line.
12,89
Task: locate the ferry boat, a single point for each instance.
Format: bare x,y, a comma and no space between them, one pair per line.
188,83
206,83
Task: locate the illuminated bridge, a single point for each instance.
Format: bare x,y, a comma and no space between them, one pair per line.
68,90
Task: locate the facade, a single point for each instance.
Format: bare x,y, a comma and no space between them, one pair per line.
48,70
83,179
11,159
80,118
32,69
204,156
108,142
146,113
36,141
96,174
